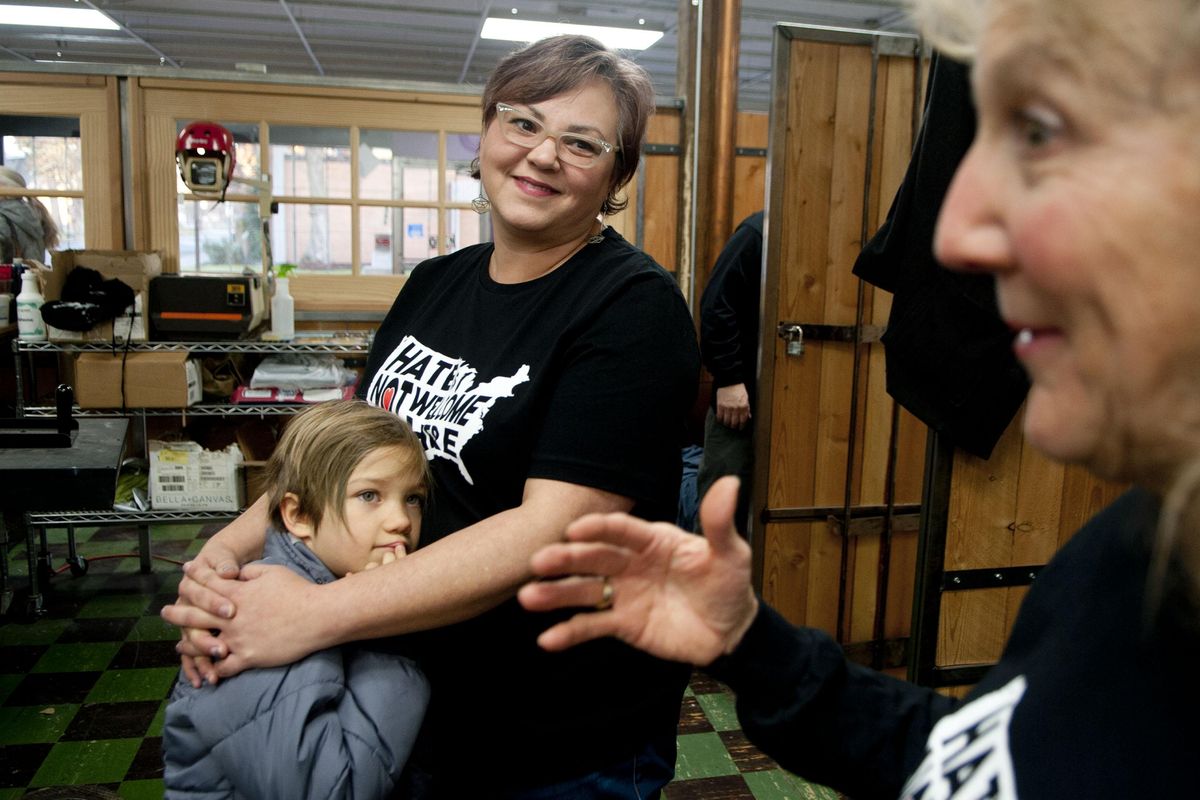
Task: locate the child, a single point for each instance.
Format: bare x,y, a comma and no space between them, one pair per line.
346,486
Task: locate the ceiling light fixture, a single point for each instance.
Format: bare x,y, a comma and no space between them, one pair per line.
52,17
527,30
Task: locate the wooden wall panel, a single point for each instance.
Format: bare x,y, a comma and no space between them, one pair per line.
893,145
839,408
1013,509
660,201
750,171
785,568
801,295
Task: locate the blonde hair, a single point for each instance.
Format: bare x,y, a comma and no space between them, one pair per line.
954,27
321,448
950,26
1177,539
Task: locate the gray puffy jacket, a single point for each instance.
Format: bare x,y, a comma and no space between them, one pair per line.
337,724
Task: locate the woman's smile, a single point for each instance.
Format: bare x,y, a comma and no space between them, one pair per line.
534,188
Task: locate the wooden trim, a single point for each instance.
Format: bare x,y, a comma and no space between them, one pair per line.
310,90
54,80
95,104
139,189
388,112
344,293
112,149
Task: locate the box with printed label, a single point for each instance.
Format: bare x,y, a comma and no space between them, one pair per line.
186,477
137,380
134,268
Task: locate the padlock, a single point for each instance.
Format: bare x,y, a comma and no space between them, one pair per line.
794,336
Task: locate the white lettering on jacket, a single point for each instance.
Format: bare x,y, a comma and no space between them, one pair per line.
439,397
967,756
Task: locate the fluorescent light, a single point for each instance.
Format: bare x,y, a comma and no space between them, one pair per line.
51,17
527,30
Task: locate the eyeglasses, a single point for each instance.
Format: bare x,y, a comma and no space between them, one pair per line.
521,128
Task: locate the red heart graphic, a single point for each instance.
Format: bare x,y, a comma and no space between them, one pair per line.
388,394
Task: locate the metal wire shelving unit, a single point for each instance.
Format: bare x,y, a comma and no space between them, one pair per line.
72,519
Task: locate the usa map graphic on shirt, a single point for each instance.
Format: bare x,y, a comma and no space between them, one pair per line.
967,755
439,396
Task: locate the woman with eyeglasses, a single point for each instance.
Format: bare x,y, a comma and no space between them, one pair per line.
549,374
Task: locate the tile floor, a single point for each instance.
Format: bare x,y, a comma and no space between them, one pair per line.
82,689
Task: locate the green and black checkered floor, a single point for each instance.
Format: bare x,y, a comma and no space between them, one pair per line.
83,688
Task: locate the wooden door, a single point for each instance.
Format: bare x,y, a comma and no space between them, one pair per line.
840,468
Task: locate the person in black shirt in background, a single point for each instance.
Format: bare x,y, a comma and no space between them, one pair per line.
729,335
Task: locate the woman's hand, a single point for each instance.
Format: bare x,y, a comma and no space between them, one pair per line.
273,623
674,594
198,647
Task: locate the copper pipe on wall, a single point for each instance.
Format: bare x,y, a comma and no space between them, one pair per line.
717,141
729,27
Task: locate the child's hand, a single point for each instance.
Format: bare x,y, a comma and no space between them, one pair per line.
389,556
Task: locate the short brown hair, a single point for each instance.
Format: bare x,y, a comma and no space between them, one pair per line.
322,446
557,64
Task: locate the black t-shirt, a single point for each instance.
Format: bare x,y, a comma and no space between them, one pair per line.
584,375
1094,697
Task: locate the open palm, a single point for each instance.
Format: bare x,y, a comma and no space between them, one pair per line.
675,595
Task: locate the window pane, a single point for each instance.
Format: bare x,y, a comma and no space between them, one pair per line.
398,165
45,150
246,156
67,213
218,237
310,162
394,240
315,238
461,149
466,228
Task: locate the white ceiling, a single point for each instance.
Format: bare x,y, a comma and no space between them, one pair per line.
433,41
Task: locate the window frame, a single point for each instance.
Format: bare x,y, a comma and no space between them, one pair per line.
95,102
165,102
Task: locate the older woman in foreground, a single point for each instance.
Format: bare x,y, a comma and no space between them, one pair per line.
1079,195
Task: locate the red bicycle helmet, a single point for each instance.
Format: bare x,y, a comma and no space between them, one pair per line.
205,154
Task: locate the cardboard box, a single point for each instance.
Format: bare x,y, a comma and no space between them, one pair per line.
186,477
132,267
150,380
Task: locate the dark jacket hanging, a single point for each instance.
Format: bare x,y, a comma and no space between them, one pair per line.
949,356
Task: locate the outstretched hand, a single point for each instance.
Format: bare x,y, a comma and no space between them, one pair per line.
674,594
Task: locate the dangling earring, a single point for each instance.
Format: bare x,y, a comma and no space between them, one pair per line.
598,236
481,204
